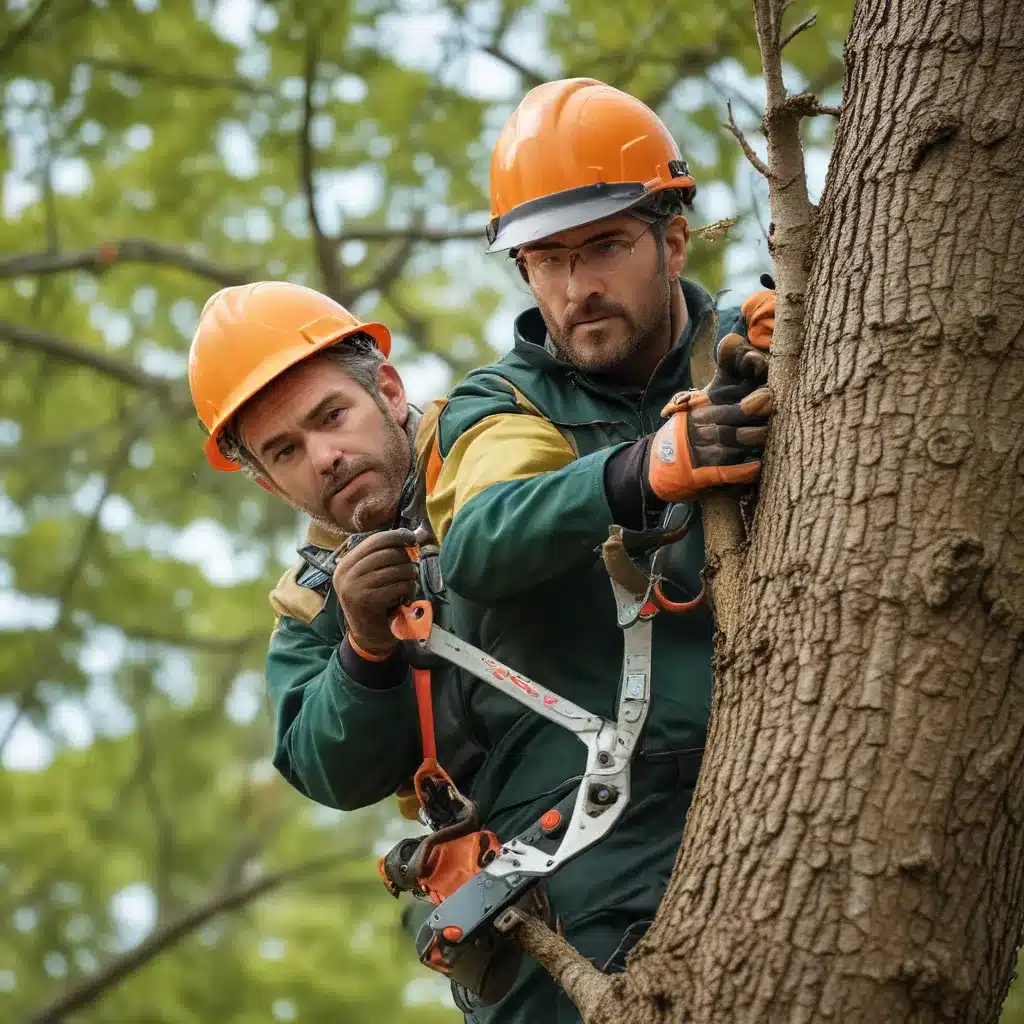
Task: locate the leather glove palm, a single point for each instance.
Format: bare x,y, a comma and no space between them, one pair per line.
716,436
371,579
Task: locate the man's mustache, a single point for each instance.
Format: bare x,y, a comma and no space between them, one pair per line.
592,311
341,475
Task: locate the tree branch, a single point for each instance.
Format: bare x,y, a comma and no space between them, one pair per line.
23,29
69,352
796,30
212,644
389,270
115,466
806,104
250,846
791,212
99,258
173,931
187,79
419,331
691,62
831,76
50,199
413,233
584,984
164,831
756,162
637,53
530,77
327,257
720,90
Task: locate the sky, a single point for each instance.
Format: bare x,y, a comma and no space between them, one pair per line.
416,40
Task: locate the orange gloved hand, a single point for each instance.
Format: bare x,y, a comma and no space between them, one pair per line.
715,436
759,315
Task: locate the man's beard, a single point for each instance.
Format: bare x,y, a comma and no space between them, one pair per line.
379,507
649,327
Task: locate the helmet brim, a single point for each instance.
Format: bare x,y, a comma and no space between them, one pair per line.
565,210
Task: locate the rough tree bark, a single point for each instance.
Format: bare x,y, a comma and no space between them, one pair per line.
855,851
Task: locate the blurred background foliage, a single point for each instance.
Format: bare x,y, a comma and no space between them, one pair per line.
152,866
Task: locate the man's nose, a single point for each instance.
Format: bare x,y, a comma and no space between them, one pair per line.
582,283
324,454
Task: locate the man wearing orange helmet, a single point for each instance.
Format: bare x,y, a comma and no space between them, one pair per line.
297,392
579,427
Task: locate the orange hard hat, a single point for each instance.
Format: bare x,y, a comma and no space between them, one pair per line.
572,152
248,335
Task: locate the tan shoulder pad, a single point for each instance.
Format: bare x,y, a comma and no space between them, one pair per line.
323,536
301,603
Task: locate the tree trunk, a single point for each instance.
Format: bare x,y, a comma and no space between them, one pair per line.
855,851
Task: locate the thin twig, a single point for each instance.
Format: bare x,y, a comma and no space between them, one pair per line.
801,26
720,90
716,230
529,75
50,202
163,829
115,466
759,165
757,211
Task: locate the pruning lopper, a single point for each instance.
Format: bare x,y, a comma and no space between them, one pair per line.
482,888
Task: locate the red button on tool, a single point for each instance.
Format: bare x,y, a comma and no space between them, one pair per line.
452,932
550,820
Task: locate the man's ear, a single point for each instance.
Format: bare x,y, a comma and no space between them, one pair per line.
392,393
677,237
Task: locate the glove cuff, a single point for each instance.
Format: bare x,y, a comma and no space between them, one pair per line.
626,488
375,675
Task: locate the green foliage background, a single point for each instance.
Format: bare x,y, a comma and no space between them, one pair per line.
154,151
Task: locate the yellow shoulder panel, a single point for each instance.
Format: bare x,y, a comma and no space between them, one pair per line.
506,446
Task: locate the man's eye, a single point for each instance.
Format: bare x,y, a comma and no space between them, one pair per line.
611,248
284,453
333,415
552,260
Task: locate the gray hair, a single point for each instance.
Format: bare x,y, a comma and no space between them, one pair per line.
357,355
